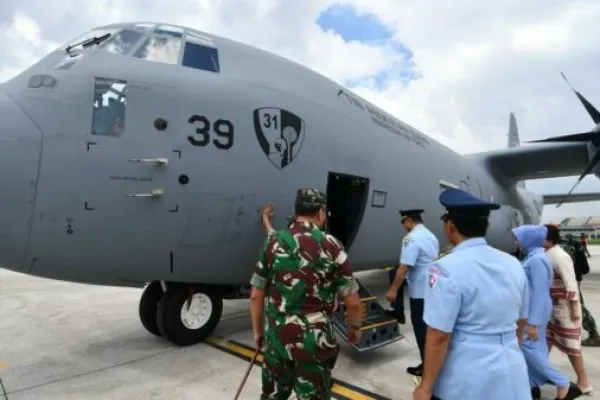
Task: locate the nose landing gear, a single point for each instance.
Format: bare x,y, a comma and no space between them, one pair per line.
184,314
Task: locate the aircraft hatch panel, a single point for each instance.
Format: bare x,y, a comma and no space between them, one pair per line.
377,328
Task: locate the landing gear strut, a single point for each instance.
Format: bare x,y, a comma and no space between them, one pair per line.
183,314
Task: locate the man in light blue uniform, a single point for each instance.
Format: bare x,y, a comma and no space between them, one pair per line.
540,275
475,305
419,248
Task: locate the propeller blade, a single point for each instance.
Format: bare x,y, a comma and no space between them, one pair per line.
576,137
592,111
568,193
593,162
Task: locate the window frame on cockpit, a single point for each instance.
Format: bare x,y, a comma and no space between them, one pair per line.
217,69
149,37
134,47
147,32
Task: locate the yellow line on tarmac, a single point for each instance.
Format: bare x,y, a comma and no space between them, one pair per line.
342,389
3,365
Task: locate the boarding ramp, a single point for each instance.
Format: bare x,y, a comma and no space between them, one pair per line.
378,329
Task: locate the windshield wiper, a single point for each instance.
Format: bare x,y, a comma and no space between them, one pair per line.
88,42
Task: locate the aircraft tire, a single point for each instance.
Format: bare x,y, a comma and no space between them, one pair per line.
184,327
148,307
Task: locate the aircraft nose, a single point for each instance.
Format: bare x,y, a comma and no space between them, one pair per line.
20,150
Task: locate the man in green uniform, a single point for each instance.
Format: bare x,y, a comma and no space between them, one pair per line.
300,271
575,250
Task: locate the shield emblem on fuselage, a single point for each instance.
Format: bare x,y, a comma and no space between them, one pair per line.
280,134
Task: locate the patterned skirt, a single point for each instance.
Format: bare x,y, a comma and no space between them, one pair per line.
563,332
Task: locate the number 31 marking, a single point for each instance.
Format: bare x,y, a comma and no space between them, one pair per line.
222,128
270,120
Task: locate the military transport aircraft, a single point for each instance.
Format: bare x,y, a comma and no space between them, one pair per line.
142,152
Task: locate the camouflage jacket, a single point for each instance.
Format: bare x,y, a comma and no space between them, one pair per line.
580,263
302,269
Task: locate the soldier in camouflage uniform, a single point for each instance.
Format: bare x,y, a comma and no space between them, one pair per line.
300,270
575,250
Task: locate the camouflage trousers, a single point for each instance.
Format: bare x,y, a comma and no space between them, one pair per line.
588,323
308,379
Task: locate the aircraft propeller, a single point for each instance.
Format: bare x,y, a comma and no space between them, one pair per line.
591,136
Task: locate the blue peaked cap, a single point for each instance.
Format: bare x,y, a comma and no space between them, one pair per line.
460,203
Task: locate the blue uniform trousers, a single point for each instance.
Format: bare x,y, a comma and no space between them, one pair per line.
419,326
538,366
398,305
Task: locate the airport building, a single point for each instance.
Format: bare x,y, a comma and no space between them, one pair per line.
578,225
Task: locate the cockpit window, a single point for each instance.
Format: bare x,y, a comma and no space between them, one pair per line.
161,48
169,31
110,99
123,42
201,57
144,27
158,43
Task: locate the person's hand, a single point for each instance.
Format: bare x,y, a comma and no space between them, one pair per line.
422,393
353,335
268,210
259,340
391,295
532,332
575,314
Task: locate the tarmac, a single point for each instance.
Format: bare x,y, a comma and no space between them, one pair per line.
68,341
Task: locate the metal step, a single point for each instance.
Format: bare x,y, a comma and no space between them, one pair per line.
378,329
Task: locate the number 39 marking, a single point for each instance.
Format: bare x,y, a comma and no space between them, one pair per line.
222,128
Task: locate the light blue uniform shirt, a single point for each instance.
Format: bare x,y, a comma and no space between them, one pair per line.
477,293
419,248
540,275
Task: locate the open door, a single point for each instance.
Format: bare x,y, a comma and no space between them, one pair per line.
346,201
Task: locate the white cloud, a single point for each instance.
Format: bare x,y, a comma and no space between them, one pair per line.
478,60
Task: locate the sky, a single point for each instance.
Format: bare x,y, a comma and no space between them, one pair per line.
452,69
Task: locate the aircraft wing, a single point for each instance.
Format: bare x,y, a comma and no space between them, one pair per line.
536,161
573,198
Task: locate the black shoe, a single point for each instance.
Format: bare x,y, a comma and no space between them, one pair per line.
536,393
573,393
415,371
397,316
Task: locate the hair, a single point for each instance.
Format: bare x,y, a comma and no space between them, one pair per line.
470,226
301,209
553,235
415,218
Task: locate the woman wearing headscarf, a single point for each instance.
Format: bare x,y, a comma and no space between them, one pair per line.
540,276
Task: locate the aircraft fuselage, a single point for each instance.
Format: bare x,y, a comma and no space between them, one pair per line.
218,133
147,160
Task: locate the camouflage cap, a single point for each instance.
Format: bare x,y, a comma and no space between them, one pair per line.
308,197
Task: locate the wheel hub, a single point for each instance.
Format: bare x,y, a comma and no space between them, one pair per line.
199,312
